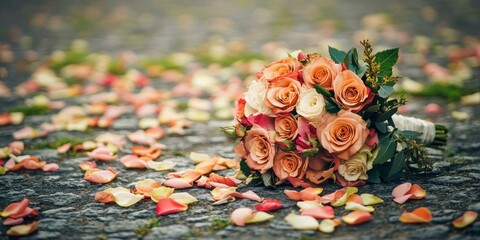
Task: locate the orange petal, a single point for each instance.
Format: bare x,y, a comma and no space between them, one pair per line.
32,163
23,230
401,189
292,194
177,183
417,192
191,176
466,219
64,148
229,181
355,198
85,165
155,132
357,217
15,208
167,205
296,182
240,215
146,186
419,215
319,212
12,166
133,161
342,195
27,212
100,176
104,197
206,167
50,167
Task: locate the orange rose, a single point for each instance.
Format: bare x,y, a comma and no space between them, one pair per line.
289,164
240,109
287,67
260,151
322,71
286,127
350,91
283,95
343,134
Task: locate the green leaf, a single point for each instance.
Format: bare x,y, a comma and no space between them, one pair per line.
387,148
381,127
398,164
336,55
386,115
310,152
267,179
245,168
374,175
351,60
410,134
332,107
323,91
385,91
387,60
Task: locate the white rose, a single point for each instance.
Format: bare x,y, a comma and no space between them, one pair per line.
311,105
357,166
255,97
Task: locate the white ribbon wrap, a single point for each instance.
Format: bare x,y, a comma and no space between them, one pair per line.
418,125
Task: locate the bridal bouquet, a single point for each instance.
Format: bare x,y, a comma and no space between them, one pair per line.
309,118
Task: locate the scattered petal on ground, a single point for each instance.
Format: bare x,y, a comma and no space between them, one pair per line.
302,222
167,206
357,217
419,215
269,205
466,219
318,212
23,230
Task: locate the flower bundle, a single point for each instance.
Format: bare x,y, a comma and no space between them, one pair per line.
309,118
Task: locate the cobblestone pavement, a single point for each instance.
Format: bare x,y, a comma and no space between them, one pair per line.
66,201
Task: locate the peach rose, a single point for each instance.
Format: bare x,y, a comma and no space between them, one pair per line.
259,149
286,127
357,166
287,67
320,167
240,109
350,91
321,71
283,95
342,134
289,164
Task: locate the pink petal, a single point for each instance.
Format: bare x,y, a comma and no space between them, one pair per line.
16,147
319,212
240,215
251,195
402,199
85,165
401,189
100,176
101,153
132,161
12,221
167,205
50,167
177,183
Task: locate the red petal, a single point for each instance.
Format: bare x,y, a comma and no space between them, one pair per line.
15,208
28,211
167,205
269,205
324,212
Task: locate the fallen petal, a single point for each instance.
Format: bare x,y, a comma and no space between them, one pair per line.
357,217
344,193
16,147
100,176
401,189
160,193
302,222
167,206
199,157
23,230
466,219
146,186
308,204
133,161
15,208
355,206
64,148
259,217
177,183
251,195
240,215
50,167
206,167
369,199
161,166
355,198
417,192
12,221
419,215
102,153
402,199
126,199
183,198
269,205
32,163
104,196
85,165
319,212
327,226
